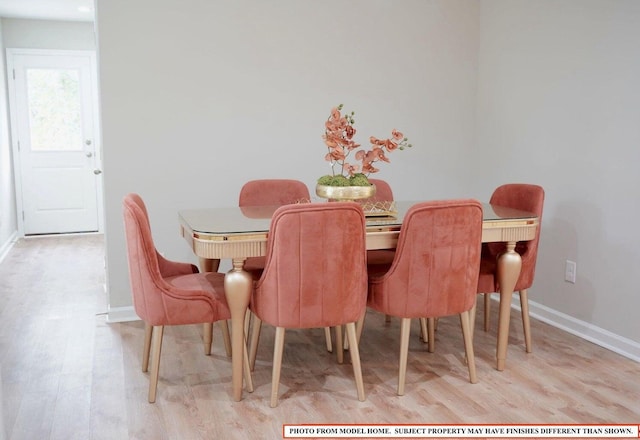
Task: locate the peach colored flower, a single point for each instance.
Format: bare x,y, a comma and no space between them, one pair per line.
390,145
338,136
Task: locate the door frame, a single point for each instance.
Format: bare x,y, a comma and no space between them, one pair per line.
13,126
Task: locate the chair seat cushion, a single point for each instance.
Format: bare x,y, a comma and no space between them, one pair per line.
207,287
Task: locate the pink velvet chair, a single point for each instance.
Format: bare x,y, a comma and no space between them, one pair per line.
434,273
275,192
383,191
525,197
166,292
383,194
315,276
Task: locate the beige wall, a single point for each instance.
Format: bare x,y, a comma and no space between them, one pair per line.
197,101
558,86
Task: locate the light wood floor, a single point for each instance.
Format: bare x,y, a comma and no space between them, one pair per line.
67,374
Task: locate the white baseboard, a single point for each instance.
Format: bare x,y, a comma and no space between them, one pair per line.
122,314
604,338
7,245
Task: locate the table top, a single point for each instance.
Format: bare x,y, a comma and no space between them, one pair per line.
256,219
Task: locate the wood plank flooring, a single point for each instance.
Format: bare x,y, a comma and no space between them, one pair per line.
67,374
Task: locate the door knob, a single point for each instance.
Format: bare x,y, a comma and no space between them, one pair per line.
88,154
96,172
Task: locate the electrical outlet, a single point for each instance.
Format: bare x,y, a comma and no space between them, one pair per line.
570,271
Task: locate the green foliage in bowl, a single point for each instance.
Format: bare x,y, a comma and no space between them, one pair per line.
357,179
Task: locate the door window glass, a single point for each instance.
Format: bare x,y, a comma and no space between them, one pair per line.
54,109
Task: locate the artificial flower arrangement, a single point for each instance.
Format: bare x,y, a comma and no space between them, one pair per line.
339,138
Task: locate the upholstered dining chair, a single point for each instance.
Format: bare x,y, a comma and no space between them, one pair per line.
526,197
167,292
315,275
383,193
274,192
434,272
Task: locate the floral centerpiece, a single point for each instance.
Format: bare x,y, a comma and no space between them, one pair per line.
339,139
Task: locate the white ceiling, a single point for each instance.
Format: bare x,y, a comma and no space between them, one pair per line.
48,9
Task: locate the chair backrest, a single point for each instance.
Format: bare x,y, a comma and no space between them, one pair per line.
316,271
275,192
144,271
437,262
383,191
525,197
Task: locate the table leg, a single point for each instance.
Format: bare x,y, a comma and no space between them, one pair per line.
237,285
509,264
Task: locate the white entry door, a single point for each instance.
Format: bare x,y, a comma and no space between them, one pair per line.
53,99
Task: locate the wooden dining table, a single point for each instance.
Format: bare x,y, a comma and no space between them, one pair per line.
237,233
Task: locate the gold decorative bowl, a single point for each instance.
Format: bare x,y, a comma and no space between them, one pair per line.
345,192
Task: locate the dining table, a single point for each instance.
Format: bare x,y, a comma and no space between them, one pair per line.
237,233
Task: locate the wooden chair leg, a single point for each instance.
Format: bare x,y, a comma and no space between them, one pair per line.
360,326
278,348
148,330
526,324
424,335
224,326
468,346
339,344
405,330
207,335
431,334
253,342
158,330
472,319
327,337
355,359
487,311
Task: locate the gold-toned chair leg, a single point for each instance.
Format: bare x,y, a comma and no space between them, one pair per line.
158,330
148,330
339,344
226,337
207,335
355,359
487,311
468,346
405,330
278,348
360,325
526,324
431,334
472,319
424,335
253,343
327,337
